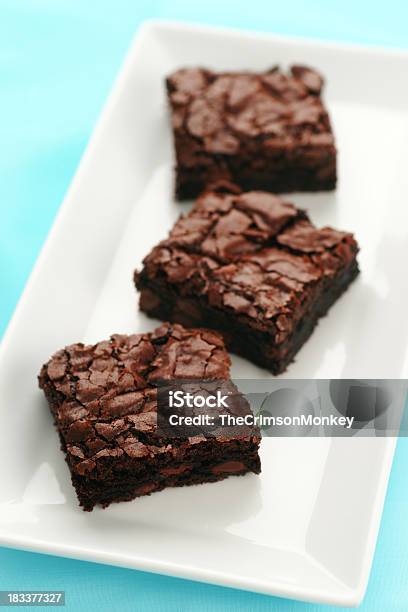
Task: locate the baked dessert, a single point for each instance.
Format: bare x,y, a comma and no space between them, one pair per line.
251,265
268,130
104,401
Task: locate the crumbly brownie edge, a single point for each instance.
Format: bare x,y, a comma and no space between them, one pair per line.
189,184
92,493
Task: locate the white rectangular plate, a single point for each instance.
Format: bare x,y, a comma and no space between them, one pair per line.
306,528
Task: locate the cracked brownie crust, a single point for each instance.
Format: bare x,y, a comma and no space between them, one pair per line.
104,401
266,131
252,266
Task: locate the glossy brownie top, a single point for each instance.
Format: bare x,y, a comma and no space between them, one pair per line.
104,396
222,111
252,254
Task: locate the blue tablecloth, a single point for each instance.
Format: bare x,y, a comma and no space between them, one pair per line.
58,59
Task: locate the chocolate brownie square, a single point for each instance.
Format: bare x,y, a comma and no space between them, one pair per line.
104,400
268,130
252,266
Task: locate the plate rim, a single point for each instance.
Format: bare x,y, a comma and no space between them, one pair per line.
336,45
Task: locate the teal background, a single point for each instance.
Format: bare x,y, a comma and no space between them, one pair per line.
58,59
